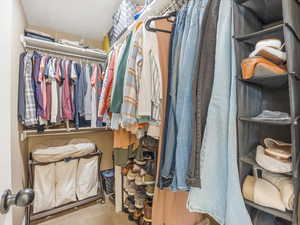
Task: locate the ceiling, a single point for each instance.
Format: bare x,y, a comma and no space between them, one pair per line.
86,18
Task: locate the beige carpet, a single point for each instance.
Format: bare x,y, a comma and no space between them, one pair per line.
93,215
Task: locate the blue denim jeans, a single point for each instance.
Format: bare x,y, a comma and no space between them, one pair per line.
167,163
220,195
191,38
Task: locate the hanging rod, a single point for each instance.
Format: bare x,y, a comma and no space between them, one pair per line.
63,50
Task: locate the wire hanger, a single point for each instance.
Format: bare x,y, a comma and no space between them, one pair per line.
149,21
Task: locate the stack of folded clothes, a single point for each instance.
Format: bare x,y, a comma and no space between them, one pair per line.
275,159
267,59
38,35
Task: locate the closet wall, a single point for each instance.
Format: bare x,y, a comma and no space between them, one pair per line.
12,167
17,153
63,35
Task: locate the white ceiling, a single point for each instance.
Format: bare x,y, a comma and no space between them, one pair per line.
87,18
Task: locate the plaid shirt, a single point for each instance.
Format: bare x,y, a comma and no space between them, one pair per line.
30,113
122,19
132,80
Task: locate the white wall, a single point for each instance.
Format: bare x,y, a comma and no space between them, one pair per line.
17,154
12,22
5,95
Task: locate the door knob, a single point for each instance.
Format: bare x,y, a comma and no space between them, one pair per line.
22,199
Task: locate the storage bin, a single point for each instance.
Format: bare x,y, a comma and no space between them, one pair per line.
108,180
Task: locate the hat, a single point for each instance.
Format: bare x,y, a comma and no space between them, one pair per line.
270,163
271,50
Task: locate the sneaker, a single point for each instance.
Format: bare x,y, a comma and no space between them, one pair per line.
130,216
139,157
131,208
137,215
131,175
149,155
136,168
140,198
141,221
143,172
139,180
148,212
131,189
150,143
150,167
126,184
124,171
126,203
148,179
150,190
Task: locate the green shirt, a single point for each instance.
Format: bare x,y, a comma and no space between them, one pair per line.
117,95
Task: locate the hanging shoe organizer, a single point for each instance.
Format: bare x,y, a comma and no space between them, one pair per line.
256,20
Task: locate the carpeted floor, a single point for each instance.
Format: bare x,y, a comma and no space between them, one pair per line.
93,215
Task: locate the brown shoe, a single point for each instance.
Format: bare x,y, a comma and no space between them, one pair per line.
124,171
148,212
137,215
259,66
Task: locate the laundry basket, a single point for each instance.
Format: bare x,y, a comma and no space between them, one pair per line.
108,180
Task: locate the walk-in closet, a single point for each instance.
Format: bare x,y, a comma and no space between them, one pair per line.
150,112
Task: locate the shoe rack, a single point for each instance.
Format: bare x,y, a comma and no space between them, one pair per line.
255,20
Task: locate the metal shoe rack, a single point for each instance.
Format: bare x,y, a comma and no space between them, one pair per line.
256,20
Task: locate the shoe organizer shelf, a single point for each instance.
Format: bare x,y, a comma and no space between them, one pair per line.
256,20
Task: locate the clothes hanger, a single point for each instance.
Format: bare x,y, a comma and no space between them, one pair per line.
149,21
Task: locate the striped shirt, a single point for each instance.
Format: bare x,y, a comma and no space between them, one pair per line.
131,81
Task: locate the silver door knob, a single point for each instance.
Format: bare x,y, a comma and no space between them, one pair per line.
21,199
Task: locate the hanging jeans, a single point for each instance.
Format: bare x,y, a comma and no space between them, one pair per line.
202,87
220,195
191,38
167,163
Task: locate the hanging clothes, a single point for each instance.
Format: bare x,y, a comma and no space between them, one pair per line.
220,195
203,82
117,94
30,107
88,95
132,81
104,100
61,89
21,93
178,144
167,204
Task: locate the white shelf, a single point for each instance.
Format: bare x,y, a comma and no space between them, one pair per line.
54,47
61,131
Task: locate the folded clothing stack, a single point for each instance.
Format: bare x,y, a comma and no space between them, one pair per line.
38,35
275,159
267,59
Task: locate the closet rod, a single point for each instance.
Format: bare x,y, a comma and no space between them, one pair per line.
63,53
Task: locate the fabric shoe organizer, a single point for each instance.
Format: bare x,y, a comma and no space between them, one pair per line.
254,21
